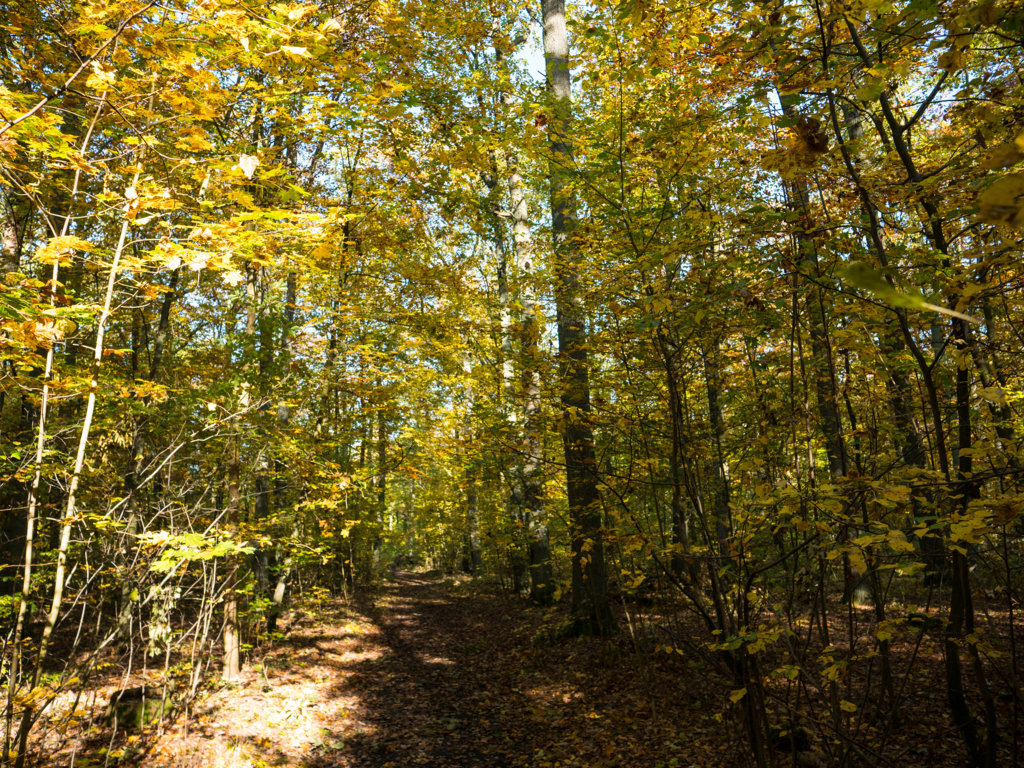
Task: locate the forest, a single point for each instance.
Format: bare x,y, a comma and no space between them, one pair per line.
605,383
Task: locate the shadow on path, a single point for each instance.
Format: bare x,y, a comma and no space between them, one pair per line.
425,674
438,694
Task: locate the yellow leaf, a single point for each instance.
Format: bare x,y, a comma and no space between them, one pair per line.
322,252
1005,155
1003,201
299,12
234,277
738,694
331,26
993,395
61,249
101,78
847,706
294,52
898,542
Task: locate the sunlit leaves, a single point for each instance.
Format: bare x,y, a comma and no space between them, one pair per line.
100,79
248,164
62,249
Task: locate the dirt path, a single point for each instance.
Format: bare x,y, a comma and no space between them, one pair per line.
432,674
436,672
436,696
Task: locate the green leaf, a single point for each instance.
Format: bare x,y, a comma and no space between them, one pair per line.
861,275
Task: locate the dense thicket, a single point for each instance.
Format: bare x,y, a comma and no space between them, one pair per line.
728,306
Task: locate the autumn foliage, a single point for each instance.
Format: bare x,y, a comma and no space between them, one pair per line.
708,335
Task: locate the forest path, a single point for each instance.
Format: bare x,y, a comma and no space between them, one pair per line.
438,695
429,672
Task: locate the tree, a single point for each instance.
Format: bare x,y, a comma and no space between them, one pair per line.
590,611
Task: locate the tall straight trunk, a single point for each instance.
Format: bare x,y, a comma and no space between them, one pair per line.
163,328
283,560
382,483
713,380
531,321
591,613
131,486
894,341
232,663
231,667
529,490
504,300
511,474
257,326
823,367
825,380
473,549
472,529
679,522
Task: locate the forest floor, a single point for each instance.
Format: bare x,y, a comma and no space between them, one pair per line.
448,673
431,672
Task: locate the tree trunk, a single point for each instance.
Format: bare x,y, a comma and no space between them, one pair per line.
472,529
232,665
980,751
10,240
70,509
382,485
531,321
591,613
282,559
10,257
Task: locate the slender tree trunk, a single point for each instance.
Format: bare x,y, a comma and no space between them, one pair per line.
531,323
163,328
232,665
472,529
283,559
232,635
980,751
11,237
713,380
680,522
511,474
382,484
591,612
33,493
67,523
823,366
